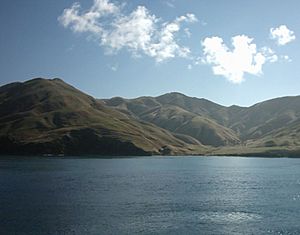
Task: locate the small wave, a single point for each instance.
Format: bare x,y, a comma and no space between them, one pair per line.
296,197
234,216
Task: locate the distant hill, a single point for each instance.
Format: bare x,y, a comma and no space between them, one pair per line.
273,125
178,113
48,116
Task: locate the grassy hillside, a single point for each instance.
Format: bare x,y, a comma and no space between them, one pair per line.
273,123
266,117
175,113
44,116
51,116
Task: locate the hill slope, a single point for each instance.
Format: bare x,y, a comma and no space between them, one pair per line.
44,116
50,116
270,123
179,114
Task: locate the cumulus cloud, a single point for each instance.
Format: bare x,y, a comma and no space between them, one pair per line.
234,63
133,31
140,31
87,22
282,35
165,45
269,54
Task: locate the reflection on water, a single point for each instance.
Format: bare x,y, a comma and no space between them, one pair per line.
229,217
181,195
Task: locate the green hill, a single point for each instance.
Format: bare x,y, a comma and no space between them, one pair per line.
48,116
234,130
43,116
181,114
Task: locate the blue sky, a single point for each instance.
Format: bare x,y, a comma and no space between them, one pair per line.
135,48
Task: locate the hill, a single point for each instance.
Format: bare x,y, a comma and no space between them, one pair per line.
271,124
181,114
43,116
49,116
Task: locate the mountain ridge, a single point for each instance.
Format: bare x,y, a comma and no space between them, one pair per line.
51,114
42,116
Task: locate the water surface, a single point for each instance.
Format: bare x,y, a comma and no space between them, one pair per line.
152,195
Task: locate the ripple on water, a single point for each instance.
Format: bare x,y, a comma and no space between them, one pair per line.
296,197
226,217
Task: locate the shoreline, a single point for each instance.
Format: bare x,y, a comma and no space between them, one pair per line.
266,156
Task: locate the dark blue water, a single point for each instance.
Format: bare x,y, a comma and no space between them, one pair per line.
181,195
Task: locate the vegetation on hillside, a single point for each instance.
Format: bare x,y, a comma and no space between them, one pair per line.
48,116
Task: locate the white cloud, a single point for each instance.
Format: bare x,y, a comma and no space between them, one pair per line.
286,58
166,45
140,32
187,32
133,31
104,7
87,22
282,35
169,4
234,63
269,54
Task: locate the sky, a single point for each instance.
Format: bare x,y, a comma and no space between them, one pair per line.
227,51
